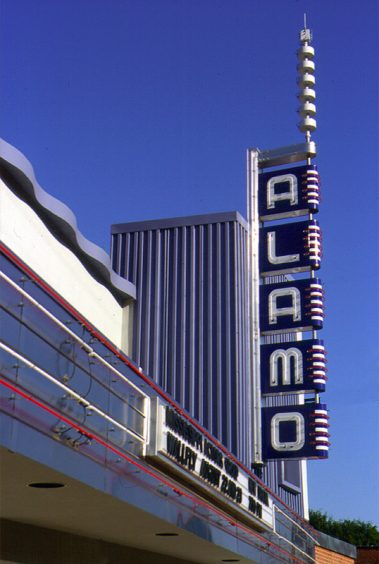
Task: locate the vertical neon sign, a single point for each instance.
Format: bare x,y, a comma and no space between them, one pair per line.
285,307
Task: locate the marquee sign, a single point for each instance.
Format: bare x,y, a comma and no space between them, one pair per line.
295,431
292,247
285,304
186,452
289,192
289,306
293,367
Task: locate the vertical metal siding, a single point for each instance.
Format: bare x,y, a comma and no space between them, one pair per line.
191,326
190,320
191,331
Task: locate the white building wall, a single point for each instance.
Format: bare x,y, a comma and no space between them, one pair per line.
22,231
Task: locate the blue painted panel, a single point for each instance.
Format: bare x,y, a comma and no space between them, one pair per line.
286,306
288,192
289,248
298,431
293,367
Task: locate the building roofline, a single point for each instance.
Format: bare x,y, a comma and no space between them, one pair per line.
185,221
337,545
19,176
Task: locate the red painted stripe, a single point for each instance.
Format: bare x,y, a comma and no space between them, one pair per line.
158,477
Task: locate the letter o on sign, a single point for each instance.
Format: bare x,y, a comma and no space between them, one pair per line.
291,417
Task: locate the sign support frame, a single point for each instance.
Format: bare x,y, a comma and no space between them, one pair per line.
254,282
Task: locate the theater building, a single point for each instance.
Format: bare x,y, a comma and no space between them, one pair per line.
159,404
138,457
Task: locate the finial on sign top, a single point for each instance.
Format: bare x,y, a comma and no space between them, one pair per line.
305,34
306,81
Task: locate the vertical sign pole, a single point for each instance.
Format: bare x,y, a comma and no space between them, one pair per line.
305,40
253,257
310,215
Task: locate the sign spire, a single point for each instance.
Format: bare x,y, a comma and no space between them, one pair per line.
306,81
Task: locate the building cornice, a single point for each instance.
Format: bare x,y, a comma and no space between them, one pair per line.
17,172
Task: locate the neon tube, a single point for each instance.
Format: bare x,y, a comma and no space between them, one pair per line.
69,391
89,350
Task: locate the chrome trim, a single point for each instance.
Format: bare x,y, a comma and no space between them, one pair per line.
285,155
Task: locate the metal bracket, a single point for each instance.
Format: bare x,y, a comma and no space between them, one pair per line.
286,155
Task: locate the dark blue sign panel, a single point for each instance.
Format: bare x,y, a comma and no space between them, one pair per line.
289,247
295,431
286,306
294,367
288,192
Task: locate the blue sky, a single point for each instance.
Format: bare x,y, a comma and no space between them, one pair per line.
139,109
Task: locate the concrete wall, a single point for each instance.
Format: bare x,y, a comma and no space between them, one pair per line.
22,231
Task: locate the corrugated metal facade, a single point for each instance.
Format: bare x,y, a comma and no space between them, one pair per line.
191,330
190,317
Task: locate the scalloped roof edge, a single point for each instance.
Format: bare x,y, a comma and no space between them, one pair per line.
63,218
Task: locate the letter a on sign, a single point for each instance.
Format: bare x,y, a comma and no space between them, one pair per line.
284,306
288,192
291,194
294,310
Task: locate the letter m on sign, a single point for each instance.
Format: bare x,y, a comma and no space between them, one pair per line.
292,367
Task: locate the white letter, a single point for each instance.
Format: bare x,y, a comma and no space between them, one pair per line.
295,309
298,419
291,195
271,252
285,356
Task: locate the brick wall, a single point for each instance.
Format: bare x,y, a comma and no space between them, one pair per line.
326,556
369,555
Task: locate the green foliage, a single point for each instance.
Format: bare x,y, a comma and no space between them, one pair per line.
359,533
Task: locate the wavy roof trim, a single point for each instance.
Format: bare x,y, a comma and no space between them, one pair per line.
58,216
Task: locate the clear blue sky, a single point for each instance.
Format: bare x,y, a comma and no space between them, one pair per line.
138,109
